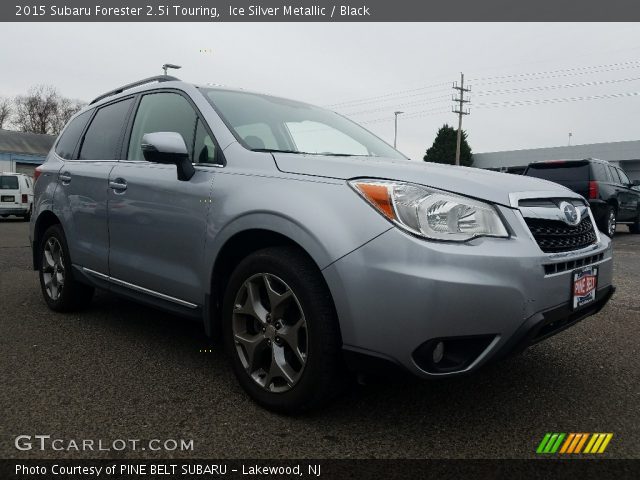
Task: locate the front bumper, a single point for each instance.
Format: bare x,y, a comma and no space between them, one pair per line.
398,292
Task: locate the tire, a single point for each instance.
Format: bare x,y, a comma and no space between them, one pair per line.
609,224
60,290
27,217
635,226
316,373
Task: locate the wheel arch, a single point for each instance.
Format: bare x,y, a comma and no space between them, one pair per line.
238,246
45,220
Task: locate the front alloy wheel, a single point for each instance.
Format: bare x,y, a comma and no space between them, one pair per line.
280,330
270,332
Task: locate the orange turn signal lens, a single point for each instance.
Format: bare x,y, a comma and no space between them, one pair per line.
379,196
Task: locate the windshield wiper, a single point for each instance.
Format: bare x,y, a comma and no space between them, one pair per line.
275,150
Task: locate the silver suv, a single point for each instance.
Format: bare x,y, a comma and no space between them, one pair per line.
308,245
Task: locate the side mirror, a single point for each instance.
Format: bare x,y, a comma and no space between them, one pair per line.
168,148
635,183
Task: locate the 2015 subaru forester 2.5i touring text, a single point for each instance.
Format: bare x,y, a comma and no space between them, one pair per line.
308,245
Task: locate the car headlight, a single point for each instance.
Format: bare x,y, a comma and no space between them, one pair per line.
431,213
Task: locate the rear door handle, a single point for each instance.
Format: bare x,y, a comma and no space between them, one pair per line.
65,178
118,185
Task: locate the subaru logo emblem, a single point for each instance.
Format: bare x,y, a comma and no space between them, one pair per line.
570,214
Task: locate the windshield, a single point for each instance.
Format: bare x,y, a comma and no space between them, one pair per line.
265,123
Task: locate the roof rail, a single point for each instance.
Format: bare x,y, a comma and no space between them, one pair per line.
158,78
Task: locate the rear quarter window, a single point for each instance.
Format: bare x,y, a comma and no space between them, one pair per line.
599,171
102,140
66,146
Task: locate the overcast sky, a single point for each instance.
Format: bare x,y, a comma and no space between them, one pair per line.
408,67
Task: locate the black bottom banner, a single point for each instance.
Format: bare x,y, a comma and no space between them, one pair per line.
327,469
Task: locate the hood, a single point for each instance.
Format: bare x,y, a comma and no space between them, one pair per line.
473,182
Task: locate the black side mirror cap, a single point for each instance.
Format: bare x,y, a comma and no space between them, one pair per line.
168,148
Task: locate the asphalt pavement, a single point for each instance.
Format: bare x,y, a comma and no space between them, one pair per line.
123,371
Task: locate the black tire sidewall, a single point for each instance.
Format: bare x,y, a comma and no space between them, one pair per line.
323,356
74,294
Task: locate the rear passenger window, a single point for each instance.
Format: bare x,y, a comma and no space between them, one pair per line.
600,172
102,140
623,177
71,135
614,174
162,112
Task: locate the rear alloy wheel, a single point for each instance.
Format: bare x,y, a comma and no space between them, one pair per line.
281,331
610,227
60,290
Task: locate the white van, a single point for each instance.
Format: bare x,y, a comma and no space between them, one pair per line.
16,195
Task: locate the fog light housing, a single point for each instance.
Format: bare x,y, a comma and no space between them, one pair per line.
451,354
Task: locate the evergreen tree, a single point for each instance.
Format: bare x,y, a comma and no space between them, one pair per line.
443,149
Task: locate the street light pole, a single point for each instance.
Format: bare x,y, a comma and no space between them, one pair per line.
395,134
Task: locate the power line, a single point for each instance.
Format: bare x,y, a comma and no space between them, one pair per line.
561,75
508,104
377,97
635,63
424,113
554,87
433,100
516,103
489,80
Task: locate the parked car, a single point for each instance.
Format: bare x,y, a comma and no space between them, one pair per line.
308,245
613,198
16,195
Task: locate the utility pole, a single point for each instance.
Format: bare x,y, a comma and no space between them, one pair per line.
395,134
460,100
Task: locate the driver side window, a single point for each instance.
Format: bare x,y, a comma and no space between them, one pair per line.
162,112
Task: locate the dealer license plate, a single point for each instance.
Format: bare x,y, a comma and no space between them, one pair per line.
584,286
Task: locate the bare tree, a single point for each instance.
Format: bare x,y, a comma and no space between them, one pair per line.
5,111
67,108
43,110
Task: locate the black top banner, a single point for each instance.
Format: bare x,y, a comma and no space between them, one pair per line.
318,11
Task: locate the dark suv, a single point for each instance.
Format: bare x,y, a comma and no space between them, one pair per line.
612,196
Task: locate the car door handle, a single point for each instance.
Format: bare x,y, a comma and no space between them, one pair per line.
118,185
65,178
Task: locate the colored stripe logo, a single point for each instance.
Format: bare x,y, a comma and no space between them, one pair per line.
574,443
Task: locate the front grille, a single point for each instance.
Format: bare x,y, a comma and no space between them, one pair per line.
556,236
560,267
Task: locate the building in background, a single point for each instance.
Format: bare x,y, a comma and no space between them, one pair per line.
626,155
22,152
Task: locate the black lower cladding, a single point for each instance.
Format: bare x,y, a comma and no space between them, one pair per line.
556,236
552,322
